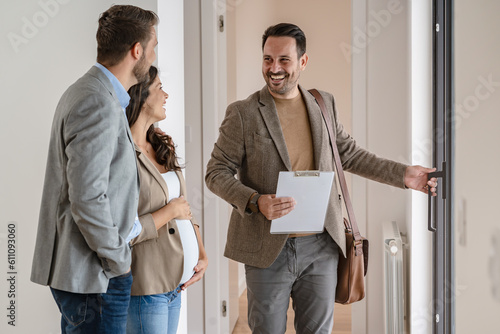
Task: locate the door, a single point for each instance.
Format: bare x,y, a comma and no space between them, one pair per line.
462,218
440,207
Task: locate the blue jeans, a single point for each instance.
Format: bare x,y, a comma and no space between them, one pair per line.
154,314
306,270
96,312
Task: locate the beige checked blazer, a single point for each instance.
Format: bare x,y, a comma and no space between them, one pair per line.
251,145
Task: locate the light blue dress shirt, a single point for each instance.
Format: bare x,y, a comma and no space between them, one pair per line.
124,100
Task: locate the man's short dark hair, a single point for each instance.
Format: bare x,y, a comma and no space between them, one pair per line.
120,28
287,30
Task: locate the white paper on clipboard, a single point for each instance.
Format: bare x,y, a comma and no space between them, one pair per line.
311,191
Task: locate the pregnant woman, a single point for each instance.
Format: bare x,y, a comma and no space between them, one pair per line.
168,255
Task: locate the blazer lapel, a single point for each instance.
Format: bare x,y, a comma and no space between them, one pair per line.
129,134
270,116
318,128
152,170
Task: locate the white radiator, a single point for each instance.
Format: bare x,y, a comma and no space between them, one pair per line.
393,279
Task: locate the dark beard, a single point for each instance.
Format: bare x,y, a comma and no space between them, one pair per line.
140,72
271,86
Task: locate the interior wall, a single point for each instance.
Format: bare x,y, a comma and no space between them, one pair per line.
420,316
170,60
328,68
48,45
477,231
386,126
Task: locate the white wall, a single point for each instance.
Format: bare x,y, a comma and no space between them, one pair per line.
387,135
477,229
171,65
420,239
381,119
49,44
328,68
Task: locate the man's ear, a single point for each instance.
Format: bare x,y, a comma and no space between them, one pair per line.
136,51
303,61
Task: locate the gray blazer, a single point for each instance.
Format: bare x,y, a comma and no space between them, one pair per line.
251,145
90,194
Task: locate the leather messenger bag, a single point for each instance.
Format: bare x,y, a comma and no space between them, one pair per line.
352,269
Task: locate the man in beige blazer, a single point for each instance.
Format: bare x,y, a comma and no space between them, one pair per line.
280,128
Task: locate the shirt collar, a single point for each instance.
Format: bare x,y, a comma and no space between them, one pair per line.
120,91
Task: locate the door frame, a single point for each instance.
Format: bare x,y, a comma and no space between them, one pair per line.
215,213
205,88
441,208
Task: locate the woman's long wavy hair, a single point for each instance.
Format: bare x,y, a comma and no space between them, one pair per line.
162,144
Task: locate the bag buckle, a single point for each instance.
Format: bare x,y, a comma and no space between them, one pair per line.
358,247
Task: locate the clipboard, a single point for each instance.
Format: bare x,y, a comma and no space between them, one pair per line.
311,190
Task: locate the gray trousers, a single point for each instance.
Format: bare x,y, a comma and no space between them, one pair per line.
306,270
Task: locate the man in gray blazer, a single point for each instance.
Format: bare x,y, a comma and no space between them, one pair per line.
90,194
280,128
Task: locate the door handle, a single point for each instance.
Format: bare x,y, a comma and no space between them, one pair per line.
431,207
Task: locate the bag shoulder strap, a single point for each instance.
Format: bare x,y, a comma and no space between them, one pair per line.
338,165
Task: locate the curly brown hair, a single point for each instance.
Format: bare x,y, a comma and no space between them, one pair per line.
162,144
